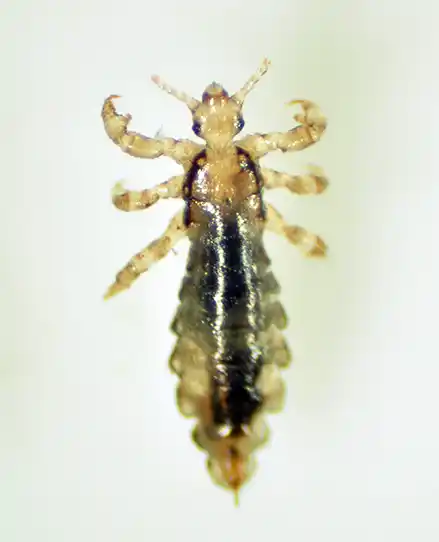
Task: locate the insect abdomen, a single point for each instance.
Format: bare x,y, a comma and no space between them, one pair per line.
228,325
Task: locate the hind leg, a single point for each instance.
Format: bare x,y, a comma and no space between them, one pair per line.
309,243
155,251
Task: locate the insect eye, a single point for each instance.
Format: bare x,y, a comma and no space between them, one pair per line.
240,124
196,128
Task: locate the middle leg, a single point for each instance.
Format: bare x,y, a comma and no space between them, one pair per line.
132,200
314,182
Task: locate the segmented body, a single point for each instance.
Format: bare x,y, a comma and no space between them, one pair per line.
229,319
230,347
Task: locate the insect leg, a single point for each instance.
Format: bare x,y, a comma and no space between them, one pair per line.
140,146
313,183
131,200
309,243
155,251
310,130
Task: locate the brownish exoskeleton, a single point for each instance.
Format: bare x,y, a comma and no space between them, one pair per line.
230,348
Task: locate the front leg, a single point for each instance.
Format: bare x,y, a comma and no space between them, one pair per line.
314,182
309,243
155,251
312,125
140,146
132,200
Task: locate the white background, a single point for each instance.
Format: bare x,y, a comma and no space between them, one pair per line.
92,447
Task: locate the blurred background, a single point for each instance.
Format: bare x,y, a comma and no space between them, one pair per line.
92,446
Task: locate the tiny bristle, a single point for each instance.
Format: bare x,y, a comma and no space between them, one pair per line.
236,500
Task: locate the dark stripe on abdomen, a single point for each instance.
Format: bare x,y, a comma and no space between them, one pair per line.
229,292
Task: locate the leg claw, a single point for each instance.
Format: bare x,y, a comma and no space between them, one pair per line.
319,177
113,290
120,197
319,250
118,190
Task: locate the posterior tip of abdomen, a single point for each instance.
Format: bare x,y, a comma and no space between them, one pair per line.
231,461
231,470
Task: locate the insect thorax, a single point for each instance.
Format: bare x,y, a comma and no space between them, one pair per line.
230,183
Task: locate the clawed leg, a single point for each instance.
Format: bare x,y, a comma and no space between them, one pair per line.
131,200
313,183
311,128
154,252
308,243
140,146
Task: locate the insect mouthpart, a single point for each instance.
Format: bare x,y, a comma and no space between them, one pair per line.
213,93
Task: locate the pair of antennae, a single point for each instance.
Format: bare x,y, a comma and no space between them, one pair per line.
192,103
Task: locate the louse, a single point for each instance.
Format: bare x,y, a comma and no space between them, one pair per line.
230,348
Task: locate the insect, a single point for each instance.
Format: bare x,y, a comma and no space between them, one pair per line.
230,349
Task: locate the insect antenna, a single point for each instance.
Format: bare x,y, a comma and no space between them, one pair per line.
192,103
242,93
